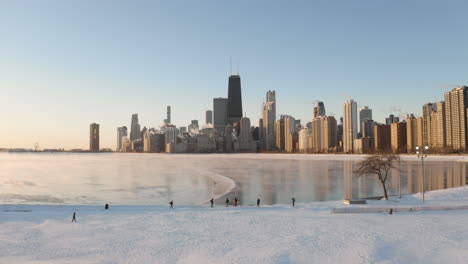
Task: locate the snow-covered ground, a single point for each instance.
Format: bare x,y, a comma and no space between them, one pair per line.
308,233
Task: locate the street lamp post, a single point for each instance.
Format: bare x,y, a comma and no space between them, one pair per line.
422,153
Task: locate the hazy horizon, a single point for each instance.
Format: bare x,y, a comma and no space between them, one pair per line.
67,64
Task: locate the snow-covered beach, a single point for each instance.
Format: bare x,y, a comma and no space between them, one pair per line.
307,233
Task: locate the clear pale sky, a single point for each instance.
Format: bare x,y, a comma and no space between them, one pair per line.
66,64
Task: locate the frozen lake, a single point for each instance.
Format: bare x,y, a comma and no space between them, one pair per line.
145,179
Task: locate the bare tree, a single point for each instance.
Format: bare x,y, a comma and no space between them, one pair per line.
379,165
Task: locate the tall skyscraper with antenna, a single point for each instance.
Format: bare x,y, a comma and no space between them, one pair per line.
234,112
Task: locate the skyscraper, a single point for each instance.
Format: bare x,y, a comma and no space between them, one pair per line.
280,133
167,121
319,110
412,133
398,137
456,104
135,128
94,137
438,134
220,107
269,115
234,111
391,119
290,135
324,135
427,112
121,132
209,117
382,138
349,125
365,113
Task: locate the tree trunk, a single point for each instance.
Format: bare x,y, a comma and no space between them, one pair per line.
384,190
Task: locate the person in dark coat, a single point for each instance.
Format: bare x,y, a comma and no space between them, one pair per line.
74,217
258,202
235,202
212,202
293,201
227,202
106,207
171,204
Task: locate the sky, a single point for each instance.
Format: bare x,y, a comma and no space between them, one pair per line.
67,64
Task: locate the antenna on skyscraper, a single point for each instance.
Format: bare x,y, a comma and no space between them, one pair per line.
230,63
237,68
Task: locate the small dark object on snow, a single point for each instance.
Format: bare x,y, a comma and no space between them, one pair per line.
293,201
235,202
212,202
258,202
227,202
171,204
74,217
106,207
390,210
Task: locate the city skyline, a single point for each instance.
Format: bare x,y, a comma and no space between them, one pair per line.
59,75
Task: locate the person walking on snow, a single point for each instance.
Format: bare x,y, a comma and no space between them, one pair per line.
235,202
258,202
227,202
171,204
293,201
212,202
74,217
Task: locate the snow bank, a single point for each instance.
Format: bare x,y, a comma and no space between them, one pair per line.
308,233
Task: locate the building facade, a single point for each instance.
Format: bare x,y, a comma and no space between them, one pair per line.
269,116
398,137
220,106
349,125
234,107
382,138
121,133
456,108
94,137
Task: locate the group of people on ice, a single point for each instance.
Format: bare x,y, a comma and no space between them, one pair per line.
236,201
171,205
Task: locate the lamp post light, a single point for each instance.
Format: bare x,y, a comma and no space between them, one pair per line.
422,153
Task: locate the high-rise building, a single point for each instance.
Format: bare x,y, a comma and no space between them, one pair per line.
134,128
456,104
413,132
121,132
398,137
193,127
208,117
269,115
246,142
364,145
280,133
382,138
349,125
290,134
168,116
324,134
391,119
171,133
234,108
94,137
427,112
438,138
220,108
153,141
365,113
367,128
304,137
319,110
